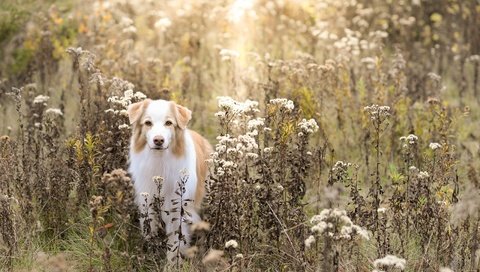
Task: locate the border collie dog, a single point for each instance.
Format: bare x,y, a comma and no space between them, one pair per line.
162,146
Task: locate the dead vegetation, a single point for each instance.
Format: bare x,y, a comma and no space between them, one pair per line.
345,133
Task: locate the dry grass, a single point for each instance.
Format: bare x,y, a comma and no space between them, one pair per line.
345,132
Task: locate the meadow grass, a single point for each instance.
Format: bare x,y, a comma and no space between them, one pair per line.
345,133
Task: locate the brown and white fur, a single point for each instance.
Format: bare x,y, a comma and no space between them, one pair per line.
161,145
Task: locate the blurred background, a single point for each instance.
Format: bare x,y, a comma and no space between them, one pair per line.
198,50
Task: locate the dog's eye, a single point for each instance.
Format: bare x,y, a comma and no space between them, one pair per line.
168,123
148,123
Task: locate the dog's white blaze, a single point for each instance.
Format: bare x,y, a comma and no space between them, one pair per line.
157,113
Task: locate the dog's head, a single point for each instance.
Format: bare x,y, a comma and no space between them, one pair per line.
158,125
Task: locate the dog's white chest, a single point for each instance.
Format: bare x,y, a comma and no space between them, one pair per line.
149,164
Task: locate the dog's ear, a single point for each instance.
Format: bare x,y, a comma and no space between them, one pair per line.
183,115
135,110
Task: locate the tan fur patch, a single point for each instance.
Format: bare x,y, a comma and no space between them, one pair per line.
203,149
178,148
135,113
182,115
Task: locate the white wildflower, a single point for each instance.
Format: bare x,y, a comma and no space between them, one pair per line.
40,99
239,256
435,146
413,169
377,113
411,139
268,149
247,142
228,104
379,34
390,261
407,21
228,54
139,96
369,62
228,164
283,103
220,171
310,240
158,179
336,224
163,23
423,175
125,100
434,77
54,111
126,21
382,210
128,93
231,243
308,126
255,123
130,30
123,126
340,165
474,58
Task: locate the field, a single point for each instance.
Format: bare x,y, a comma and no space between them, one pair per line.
346,134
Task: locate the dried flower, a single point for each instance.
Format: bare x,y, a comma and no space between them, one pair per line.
389,261
410,139
308,126
435,146
124,126
382,210
310,240
163,23
228,54
54,111
377,113
423,175
336,224
283,103
231,243
41,99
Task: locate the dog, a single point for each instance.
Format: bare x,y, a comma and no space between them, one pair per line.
162,146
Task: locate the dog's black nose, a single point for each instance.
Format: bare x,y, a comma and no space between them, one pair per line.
158,140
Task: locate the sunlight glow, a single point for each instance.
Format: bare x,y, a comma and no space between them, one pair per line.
238,10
